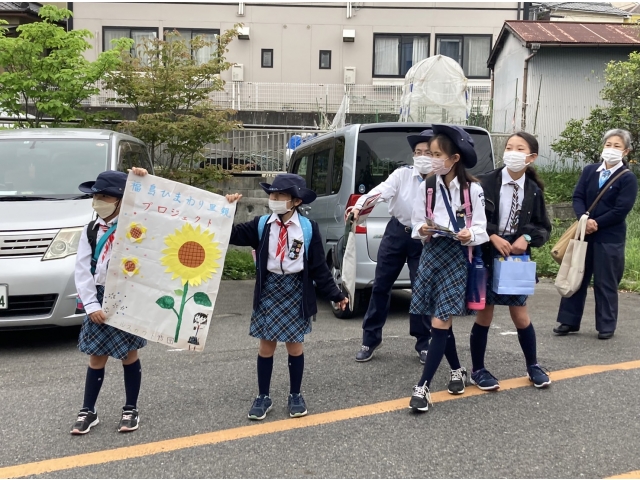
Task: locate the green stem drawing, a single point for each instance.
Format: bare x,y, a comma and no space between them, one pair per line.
184,302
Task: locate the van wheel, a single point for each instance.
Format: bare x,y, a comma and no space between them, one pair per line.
360,299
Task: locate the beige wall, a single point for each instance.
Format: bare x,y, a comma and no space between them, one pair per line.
297,33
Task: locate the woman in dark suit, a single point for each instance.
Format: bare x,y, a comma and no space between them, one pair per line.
606,235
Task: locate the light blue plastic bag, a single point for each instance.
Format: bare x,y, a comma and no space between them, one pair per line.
516,276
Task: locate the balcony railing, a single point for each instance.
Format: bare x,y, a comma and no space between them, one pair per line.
308,97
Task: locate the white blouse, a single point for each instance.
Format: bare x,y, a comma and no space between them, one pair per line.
441,216
294,232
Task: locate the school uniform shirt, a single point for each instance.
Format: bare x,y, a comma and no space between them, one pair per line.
478,227
85,282
399,189
315,264
294,232
506,199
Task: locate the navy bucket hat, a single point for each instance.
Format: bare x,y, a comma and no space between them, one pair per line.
292,184
462,140
108,183
424,136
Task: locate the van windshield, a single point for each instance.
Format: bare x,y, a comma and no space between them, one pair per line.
49,168
380,152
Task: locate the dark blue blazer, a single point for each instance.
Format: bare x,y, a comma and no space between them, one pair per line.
315,266
612,209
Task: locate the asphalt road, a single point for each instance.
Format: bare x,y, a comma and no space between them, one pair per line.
193,406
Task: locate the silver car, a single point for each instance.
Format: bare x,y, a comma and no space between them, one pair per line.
42,215
341,166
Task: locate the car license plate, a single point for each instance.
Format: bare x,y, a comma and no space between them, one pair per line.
4,297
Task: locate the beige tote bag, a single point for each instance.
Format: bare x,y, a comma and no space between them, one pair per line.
571,270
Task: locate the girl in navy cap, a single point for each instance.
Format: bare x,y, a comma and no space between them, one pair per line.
97,339
440,287
517,220
289,259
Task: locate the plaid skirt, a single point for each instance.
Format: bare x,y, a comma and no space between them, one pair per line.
494,298
107,340
279,313
441,280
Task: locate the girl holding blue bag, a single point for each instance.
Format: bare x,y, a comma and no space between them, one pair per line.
516,221
440,289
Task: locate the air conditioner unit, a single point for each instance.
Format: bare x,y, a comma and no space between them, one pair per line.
237,73
348,35
349,75
243,33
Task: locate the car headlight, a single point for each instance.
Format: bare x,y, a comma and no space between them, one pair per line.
64,244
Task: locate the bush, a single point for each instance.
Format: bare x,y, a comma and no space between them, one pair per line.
559,183
238,265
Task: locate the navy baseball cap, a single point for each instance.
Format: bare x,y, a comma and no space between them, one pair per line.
108,183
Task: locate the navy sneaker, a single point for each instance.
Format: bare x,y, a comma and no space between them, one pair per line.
420,398
261,406
484,380
457,379
423,356
297,407
538,376
366,353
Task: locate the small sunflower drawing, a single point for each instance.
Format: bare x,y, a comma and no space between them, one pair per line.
192,257
130,266
136,232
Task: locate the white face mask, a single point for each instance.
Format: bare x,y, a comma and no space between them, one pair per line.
279,207
423,164
104,209
515,161
612,156
439,168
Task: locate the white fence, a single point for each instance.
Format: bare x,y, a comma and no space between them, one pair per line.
308,97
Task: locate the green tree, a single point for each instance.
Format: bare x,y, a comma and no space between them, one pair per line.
582,138
43,71
169,90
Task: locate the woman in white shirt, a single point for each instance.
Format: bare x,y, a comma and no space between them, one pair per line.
440,287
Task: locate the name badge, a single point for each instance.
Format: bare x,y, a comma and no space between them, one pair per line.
296,247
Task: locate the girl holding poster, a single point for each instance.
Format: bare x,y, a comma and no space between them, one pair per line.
97,339
289,259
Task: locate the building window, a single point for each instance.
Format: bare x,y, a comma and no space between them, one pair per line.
204,54
138,35
267,58
325,59
394,55
470,51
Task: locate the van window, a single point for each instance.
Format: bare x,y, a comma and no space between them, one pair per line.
338,164
320,172
51,168
380,152
300,166
132,155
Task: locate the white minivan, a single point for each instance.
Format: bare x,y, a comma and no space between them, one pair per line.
42,214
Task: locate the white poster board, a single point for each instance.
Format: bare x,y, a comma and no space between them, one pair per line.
167,261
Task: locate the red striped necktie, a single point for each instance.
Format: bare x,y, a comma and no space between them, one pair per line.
109,242
282,240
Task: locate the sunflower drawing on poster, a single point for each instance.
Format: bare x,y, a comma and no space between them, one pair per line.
167,261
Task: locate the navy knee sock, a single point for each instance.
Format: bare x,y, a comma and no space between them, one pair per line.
265,368
434,355
527,339
296,369
450,351
92,385
478,345
132,381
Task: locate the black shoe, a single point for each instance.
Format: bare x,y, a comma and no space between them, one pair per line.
605,335
457,380
84,422
366,353
420,398
565,329
423,356
129,420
